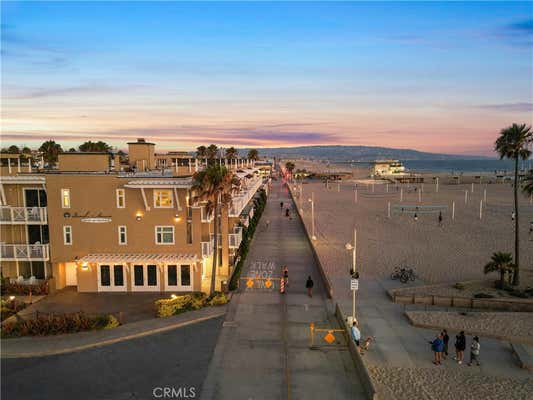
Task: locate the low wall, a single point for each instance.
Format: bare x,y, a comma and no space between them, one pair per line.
463,302
325,279
360,366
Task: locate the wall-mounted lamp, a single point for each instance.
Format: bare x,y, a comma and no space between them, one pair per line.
11,298
138,216
177,218
85,266
173,296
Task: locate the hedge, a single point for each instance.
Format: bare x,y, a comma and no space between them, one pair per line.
188,302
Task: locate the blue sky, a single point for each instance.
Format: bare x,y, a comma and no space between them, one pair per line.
443,77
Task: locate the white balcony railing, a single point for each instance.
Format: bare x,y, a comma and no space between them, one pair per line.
240,201
235,238
207,249
25,252
23,215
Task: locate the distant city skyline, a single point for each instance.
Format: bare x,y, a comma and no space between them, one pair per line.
435,77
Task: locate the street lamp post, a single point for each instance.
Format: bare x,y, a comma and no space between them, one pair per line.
312,200
353,271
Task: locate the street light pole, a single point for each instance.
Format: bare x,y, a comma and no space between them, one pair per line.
354,274
312,200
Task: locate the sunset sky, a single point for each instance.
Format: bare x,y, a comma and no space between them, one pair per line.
440,77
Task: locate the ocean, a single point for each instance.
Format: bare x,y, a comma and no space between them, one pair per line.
481,166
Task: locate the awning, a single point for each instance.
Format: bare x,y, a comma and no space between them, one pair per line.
139,257
160,183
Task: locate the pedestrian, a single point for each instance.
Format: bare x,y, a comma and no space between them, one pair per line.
440,218
356,333
416,217
267,224
474,351
286,276
531,231
460,346
445,340
309,285
281,205
512,216
437,345
287,212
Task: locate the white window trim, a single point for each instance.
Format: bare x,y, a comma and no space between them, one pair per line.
171,198
63,191
179,286
121,193
173,235
65,235
112,287
145,287
125,235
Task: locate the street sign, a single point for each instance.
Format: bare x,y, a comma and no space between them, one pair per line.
329,337
250,283
354,284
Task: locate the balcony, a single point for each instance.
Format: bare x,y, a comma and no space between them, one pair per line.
235,238
23,215
24,252
207,249
240,201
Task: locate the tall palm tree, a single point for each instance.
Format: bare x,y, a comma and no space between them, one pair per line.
253,154
13,149
500,262
97,147
201,151
214,186
50,150
212,153
231,153
513,144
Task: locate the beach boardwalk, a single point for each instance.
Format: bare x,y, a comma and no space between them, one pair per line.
263,351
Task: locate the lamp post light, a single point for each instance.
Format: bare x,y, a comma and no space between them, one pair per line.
312,201
353,272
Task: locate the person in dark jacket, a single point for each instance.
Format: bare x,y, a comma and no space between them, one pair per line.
460,346
309,285
445,339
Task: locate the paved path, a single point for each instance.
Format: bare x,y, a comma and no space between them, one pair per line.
32,346
263,349
133,369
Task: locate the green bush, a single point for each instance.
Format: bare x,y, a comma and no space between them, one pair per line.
180,304
217,299
53,324
483,296
24,290
459,286
518,293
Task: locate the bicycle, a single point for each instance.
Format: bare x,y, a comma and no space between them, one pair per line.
404,274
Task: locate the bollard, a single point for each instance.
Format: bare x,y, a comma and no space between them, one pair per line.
312,329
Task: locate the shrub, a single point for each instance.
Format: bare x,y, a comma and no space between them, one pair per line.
518,293
24,290
217,299
459,286
180,304
483,296
58,324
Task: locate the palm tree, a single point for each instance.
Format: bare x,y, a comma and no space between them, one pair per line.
231,153
512,144
214,186
212,152
50,150
13,149
502,263
253,154
98,147
201,151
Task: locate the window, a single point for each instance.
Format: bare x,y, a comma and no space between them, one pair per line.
163,198
122,235
121,198
138,275
152,275
65,198
118,275
185,275
67,234
105,275
172,275
164,235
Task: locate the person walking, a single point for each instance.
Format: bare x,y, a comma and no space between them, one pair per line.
356,333
460,346
474,351
440,218
267,224
437,346
513,216
416,217
531,231
286,276
445,340
287,212
309,285
281,206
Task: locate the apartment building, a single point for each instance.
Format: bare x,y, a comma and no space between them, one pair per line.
24,236
135,227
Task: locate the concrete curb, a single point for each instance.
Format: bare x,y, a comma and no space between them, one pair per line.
7,354
514,339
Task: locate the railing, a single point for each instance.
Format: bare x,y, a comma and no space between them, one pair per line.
15,252
235,238
207,249
23,215
240,201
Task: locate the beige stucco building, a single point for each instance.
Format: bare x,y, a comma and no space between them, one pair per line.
135,227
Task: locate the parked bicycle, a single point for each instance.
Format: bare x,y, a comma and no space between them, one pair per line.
404,274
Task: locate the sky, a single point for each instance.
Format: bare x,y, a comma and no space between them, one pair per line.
438,77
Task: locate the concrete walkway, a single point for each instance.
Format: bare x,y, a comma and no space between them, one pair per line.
32,346
263,349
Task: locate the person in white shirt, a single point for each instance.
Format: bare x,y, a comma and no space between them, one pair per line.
356,334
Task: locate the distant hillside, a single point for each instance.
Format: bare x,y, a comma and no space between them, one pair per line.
355,153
